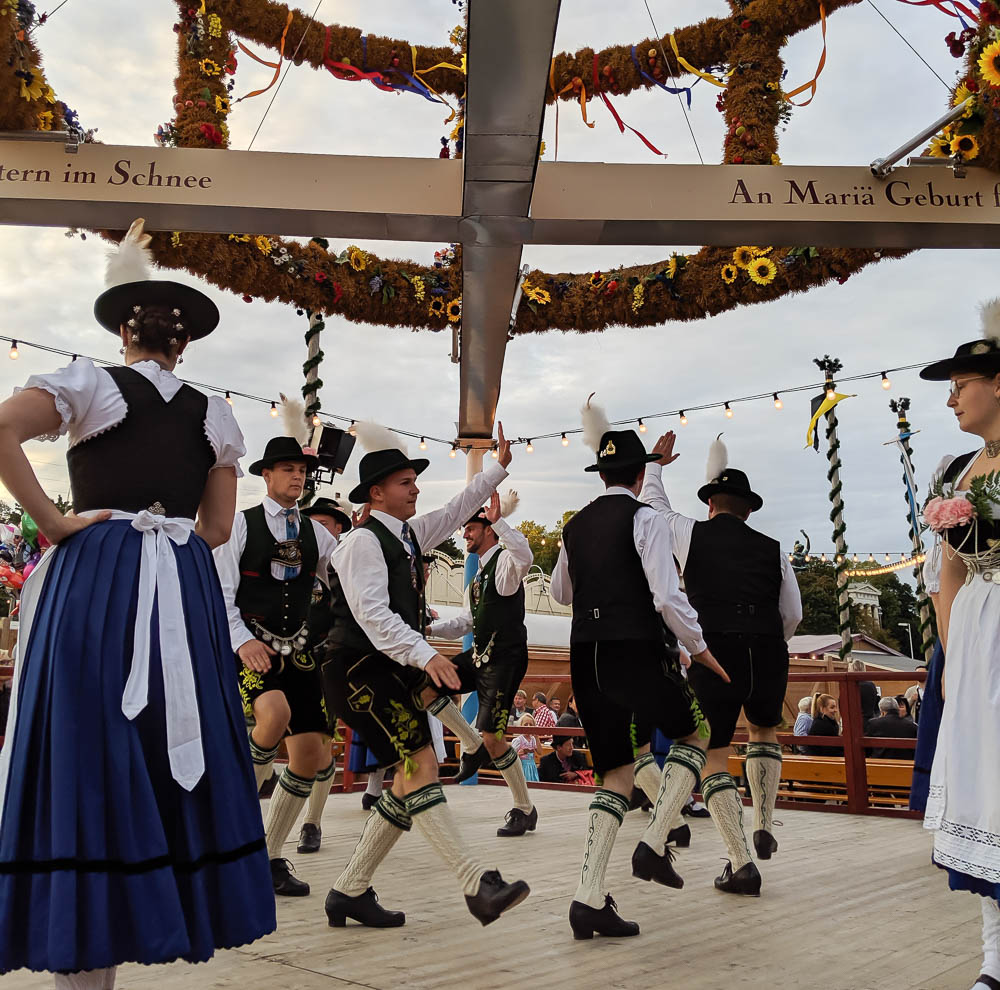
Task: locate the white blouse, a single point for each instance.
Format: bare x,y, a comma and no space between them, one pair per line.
88,402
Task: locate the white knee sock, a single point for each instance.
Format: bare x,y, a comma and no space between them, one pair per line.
607,812
991,937
510,766
386,823
91,979
449,713
724,804
319,793
289,796
262,760
684,764
764,774
375,781
647,776
429,810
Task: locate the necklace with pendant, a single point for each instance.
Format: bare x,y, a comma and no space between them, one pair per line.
993,448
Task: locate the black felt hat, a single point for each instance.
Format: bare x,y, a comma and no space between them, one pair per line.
981,357
329,507
620,449
732,481
283,449
380,464
198,315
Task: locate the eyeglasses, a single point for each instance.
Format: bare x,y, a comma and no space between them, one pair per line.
955,388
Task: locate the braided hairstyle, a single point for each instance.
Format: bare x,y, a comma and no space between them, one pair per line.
158,329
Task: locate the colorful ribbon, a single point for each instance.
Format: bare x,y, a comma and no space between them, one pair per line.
559,92
621,123
811,85
419,74
348,72
676,91
685,64
271,65
960,8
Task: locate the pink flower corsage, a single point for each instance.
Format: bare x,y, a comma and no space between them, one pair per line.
946,513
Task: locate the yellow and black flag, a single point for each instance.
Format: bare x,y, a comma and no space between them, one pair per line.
820,406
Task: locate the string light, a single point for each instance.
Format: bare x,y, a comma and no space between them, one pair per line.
229,398
855,558
530,448
887,558
886,384
729,412
494,453
565,440
900,565
423,444
274,410
823,559
453,451
831,393
14,355
684,419
871,557
777,402
316,420
642,426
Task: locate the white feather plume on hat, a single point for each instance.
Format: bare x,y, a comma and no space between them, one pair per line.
990,314
373,436
509,502
293,415
131,260
718,459
595,423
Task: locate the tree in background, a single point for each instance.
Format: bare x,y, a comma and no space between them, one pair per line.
451,548
544,542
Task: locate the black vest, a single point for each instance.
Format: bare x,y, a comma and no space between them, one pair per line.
968,539
496,614
320,617
611,596
281,607
733,577
158,453
405,587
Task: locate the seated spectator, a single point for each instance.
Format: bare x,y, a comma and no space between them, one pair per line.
543,715
563,765
869,701
914,695
891,725
556,705
803,721
903,704
520,707
571,707
824,723
525,746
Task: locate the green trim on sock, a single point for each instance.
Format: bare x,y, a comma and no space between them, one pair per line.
393,811
505,759
258,755
611,802
294,784
688,756
426,797
642,762
328,772
715,783
768,751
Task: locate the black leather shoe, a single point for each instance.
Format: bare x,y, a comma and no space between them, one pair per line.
765,844
518,822
364,909
986,981
689,811
746,880
472,763
680,836
638,800
285,885
646,865
495,896
585,921
267,788
368,801
309,838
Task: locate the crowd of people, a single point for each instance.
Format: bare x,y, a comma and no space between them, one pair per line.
128,737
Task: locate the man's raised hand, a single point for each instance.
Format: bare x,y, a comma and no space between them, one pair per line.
503,447
665,448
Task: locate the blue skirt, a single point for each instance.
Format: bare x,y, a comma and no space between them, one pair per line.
530,768
927,731
104,858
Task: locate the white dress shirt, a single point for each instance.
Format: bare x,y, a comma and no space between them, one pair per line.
789,599
515,559
227,560
655,548
364,577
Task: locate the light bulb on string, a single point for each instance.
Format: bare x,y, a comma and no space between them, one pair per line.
274,410
316,420
886,384
423,444
887,558
494,453
530,448
642,426
823,558
831,392
777,402
871,557
453,451
840,559
855,558
229,398
565,440
729,412
14,355
684,419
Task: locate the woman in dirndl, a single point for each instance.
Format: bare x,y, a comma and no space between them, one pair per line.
963,805
129,824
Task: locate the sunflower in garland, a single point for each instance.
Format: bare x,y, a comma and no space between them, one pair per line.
671,269
537,295
454,310
357,258
436,308
742,257
989,64
940,147
729,273
762,270
758,251
965,145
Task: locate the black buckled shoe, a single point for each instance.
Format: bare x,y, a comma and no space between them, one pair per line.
267,788
309,838
495,896
690,811
368,801
746,880
519,822
586,921
472,763
680,836
765,844
285,885
365,909
646,865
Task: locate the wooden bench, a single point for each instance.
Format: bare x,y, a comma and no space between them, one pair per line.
824,778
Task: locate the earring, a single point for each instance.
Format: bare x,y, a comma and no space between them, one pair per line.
121,350
180,358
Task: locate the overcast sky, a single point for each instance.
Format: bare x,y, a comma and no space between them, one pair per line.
115,66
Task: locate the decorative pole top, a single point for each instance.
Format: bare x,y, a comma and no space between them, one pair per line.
828,365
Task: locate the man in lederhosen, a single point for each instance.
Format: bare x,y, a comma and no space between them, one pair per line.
267,569
381,676
616,568
498,659
748,603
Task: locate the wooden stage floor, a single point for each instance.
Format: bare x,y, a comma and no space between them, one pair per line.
849,903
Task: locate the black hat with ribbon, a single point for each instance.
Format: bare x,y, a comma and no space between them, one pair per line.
724,480
329,507
980,357
614,448
283,449
386,455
